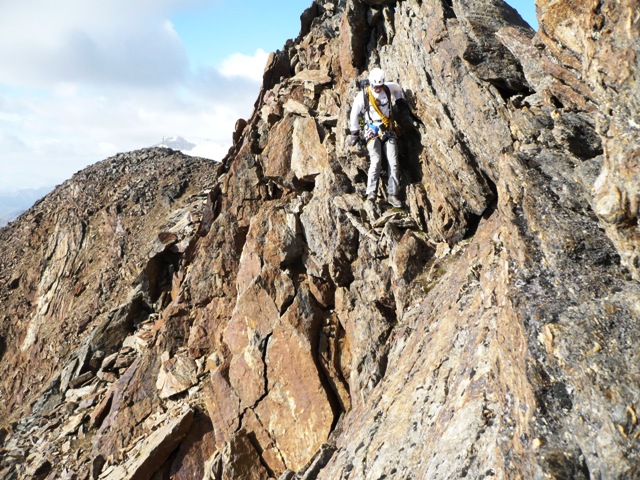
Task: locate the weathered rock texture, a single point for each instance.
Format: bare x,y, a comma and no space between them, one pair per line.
166,317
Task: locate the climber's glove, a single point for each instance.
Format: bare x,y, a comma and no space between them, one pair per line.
353,138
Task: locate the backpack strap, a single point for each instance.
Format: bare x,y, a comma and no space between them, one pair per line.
387,91
365,94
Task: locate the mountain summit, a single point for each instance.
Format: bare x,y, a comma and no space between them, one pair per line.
171,317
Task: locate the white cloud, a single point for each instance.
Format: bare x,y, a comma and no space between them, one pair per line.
113,41
240,65
47,138
11,143
208,149
80,81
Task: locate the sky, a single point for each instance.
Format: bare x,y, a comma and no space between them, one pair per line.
83,80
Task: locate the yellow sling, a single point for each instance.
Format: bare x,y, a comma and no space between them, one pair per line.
372,101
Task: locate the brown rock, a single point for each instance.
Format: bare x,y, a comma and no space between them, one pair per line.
154,450
277,154
488,328
223,406
241,124
245,336
134,399
278,67
308,155
102,409
606,52
296,108
353,40
194,450
238,459
316,77
263,442
176,375
297,408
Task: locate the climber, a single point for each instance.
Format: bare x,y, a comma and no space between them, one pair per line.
374,102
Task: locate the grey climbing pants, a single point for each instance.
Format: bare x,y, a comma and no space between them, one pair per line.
375,148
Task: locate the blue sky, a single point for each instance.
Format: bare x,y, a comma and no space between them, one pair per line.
83,80
270,22
527,10
237,26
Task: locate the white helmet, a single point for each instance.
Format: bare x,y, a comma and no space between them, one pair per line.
376,77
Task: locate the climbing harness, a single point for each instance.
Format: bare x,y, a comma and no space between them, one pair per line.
371,100
388,127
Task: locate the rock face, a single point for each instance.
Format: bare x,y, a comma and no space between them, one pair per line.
167,317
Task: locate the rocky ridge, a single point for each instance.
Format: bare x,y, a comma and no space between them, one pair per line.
255,319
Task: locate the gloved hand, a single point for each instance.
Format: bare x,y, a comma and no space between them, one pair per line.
353,138
371,131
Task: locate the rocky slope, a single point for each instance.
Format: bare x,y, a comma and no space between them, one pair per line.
256,319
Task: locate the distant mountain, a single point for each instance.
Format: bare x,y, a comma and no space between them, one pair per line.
14,203
176,143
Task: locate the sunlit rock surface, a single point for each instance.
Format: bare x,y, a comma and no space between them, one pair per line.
171,317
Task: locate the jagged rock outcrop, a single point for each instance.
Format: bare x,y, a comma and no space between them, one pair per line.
285,329
84,272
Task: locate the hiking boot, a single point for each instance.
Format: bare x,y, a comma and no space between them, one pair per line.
395,201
